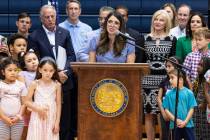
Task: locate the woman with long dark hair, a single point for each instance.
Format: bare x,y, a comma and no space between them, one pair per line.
110,47
187,44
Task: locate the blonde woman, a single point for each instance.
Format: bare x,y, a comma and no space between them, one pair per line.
158,42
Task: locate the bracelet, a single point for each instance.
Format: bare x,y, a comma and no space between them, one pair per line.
19,116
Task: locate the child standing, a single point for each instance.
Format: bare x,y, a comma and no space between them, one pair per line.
207,94
202,128
29,63
185,108
163,88
12,93
202,37
46,107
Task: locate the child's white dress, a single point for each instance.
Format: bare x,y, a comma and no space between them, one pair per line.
43,129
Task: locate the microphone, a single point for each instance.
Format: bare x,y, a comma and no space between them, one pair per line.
126,35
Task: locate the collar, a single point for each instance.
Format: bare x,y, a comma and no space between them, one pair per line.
47,31
206,53
73,25
182,30
25,35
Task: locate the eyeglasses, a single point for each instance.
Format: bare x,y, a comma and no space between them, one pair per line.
48,17
111,22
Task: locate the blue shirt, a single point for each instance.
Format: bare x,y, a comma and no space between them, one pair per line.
83,53
109,57
185,103
78,34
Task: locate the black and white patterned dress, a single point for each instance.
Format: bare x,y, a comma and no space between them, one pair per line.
164,47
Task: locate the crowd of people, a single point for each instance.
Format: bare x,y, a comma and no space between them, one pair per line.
38,88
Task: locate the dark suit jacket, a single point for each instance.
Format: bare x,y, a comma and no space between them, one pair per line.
139,41
38,41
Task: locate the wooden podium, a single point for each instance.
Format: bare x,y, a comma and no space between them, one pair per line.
93,126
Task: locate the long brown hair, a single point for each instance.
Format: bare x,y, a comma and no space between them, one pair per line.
199,81
119,42
189,33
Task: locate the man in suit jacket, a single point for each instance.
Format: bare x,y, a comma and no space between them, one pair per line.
123,10
54,41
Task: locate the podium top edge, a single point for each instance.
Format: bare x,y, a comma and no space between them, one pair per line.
107,65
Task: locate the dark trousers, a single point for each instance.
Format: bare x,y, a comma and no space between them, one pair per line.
165,128
68,122
186,133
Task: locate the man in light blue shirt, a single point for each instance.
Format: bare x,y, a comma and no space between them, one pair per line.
76,28
83,53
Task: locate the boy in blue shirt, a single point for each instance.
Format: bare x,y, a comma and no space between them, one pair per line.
185,108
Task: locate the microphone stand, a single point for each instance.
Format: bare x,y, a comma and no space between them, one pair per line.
178,66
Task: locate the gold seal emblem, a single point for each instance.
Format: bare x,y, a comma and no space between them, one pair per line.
109,97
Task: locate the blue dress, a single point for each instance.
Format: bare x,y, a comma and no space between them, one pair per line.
109,57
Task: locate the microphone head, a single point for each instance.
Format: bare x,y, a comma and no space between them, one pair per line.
22,54
117,32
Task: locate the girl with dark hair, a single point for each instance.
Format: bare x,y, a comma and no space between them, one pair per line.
28,63
163,88
207,94
110,47
185,107
46,107
187,44
202,128
12,93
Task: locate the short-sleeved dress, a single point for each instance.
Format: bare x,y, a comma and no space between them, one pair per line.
165,47
109,57
29,77
45,96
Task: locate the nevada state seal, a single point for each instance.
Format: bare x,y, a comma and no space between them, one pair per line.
109,97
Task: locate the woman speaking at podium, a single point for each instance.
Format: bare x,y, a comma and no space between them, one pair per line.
110,47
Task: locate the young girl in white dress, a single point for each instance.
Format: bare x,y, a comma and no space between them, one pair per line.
46,107
28,64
